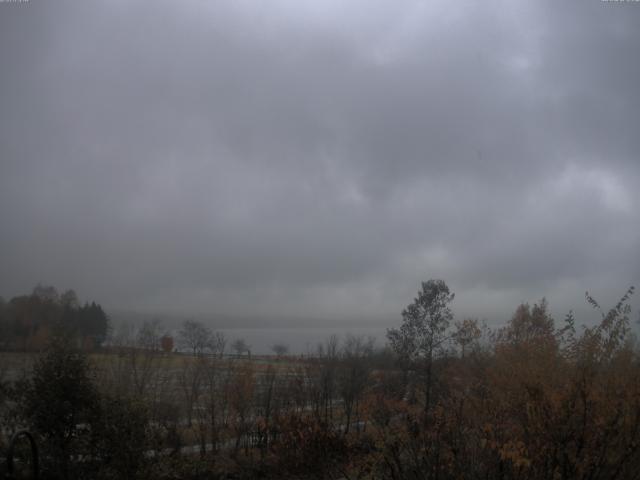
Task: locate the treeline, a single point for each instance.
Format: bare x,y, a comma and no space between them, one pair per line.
29,322
444,399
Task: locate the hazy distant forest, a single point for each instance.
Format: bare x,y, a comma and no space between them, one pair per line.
444,399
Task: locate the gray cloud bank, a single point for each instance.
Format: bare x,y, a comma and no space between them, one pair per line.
317,160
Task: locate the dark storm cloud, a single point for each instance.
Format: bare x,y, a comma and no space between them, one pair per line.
319,159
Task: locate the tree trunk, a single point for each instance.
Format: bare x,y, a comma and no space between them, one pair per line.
427,386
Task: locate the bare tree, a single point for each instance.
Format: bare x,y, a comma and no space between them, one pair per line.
145,355
423,331
268,404
280,349
195,336
240,346
354,375
219,341
190,379
212,402
140,368
148,335
322,379
241,393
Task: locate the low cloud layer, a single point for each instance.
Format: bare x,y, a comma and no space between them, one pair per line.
317,160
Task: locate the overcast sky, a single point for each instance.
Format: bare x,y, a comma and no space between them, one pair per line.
317,160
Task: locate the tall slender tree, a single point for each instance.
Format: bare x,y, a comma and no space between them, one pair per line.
423,332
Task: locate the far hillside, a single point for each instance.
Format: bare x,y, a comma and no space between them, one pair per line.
27,322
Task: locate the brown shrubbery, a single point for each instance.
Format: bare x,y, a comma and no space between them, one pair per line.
531,400
541,403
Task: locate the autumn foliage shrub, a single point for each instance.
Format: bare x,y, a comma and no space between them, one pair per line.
544,403
306,445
